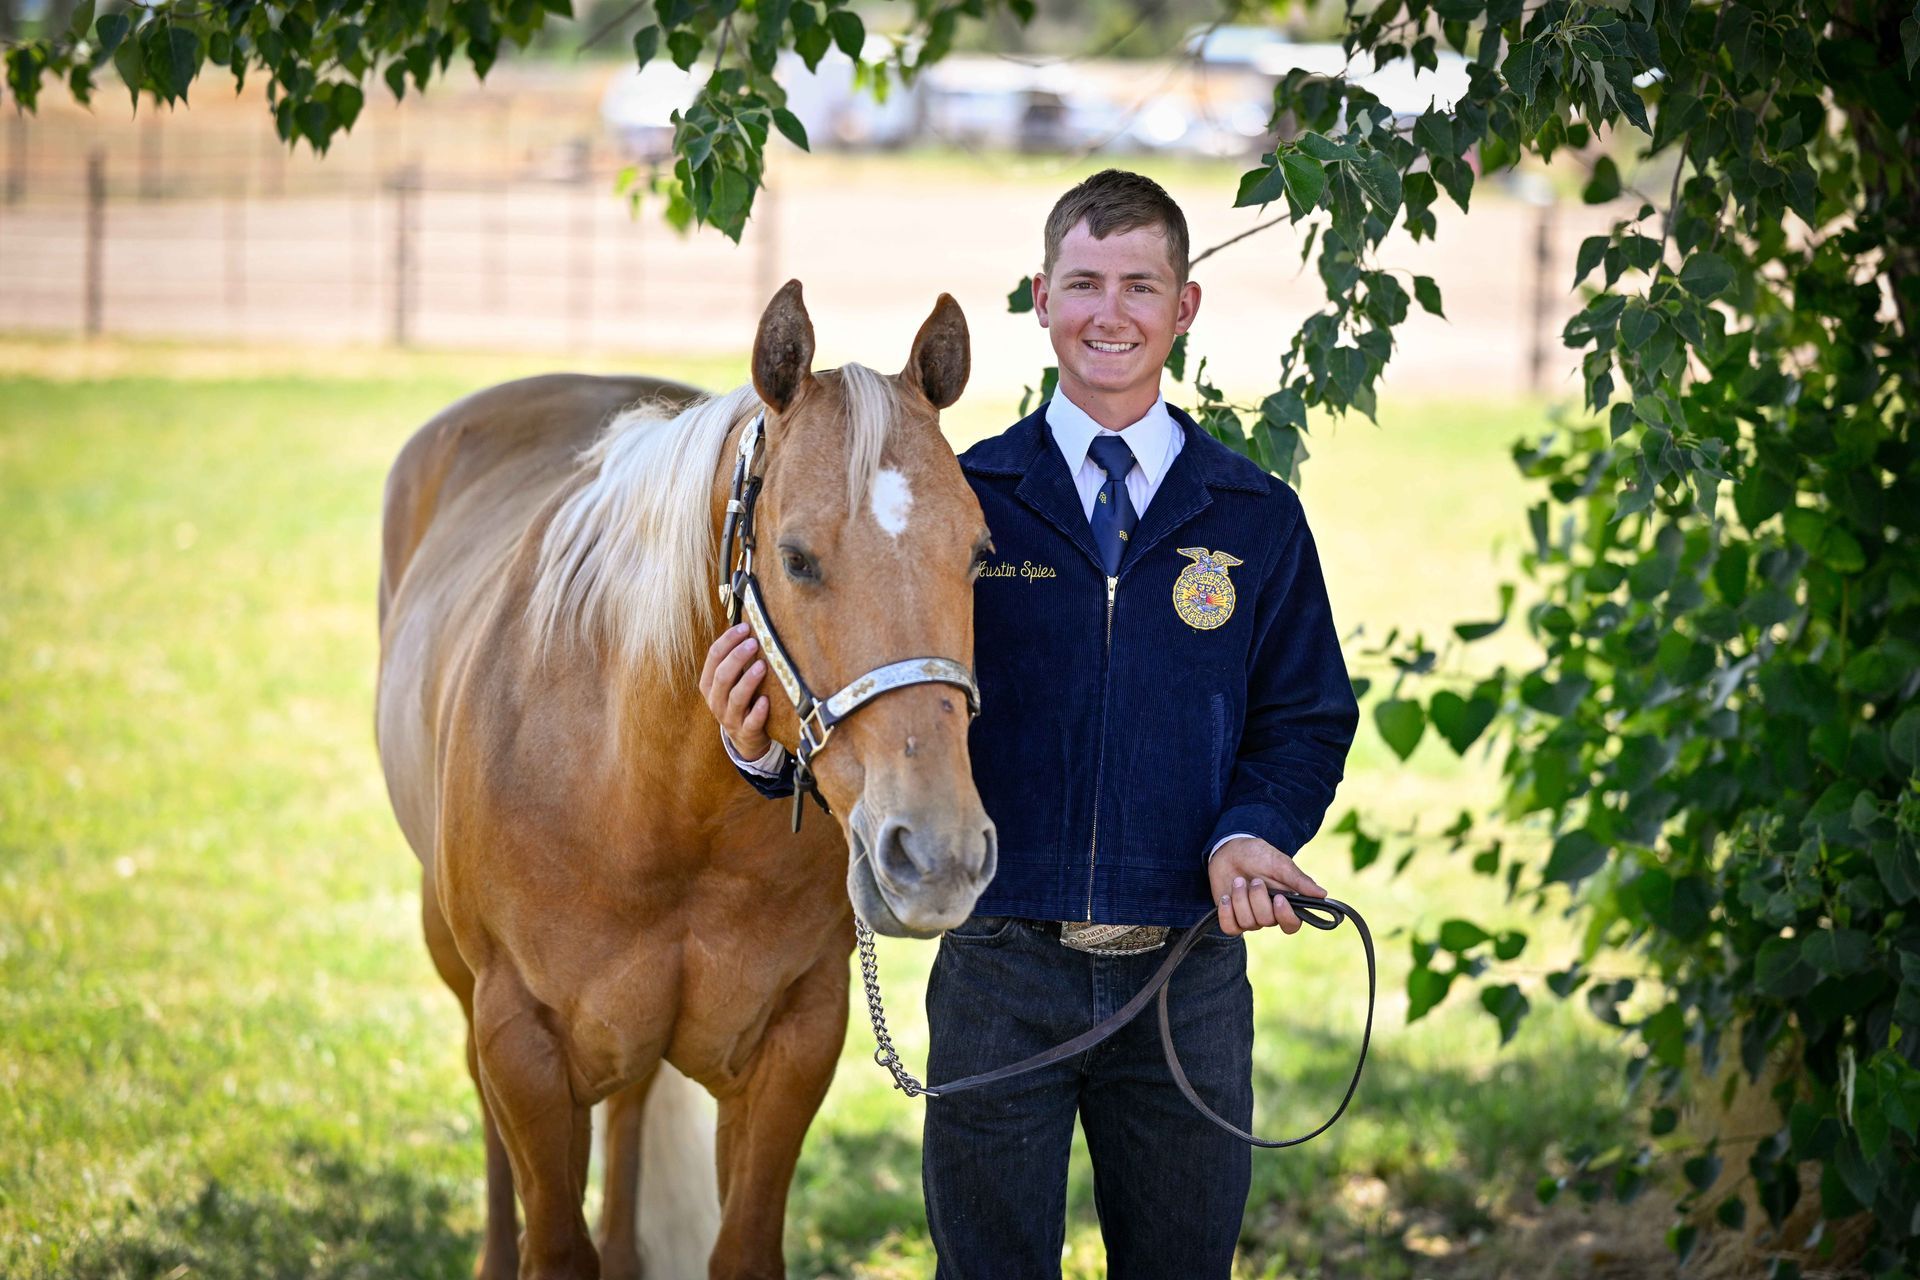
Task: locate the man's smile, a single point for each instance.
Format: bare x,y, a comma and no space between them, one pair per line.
1098,345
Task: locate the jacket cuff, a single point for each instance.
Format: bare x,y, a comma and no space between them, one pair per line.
771,775
1257,820
770,764
1223,839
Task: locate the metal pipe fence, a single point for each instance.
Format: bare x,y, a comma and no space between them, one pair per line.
497,225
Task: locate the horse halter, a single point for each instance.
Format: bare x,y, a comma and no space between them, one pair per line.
740,593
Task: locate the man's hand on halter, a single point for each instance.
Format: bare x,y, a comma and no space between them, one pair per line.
729,682
1248,877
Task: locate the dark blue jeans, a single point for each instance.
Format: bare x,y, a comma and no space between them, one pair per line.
1169,1187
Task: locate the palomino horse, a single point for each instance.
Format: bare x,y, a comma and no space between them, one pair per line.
600,889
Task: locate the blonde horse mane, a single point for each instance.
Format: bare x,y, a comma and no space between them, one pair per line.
632,554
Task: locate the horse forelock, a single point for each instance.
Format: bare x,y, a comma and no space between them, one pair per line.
631,554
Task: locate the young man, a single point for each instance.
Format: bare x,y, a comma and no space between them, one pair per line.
1165,715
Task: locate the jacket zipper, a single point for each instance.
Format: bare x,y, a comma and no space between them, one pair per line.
1100,758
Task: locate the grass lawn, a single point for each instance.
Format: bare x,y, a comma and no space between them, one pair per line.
222,1049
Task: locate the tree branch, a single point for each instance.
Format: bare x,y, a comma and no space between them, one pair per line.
607,27
1231,240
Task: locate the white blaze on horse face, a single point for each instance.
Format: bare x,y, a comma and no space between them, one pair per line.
892,500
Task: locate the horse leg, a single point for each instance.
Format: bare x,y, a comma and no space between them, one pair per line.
619,1241
500,1255
548,1134
764,1117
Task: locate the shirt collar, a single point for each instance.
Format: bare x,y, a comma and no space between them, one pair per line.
1151,438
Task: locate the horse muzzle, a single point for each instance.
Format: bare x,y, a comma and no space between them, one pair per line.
912,877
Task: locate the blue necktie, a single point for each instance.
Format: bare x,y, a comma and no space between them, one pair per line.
1113,514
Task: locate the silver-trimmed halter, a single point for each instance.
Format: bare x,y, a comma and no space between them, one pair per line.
740,594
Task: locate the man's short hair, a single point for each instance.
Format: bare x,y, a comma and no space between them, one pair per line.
1114,201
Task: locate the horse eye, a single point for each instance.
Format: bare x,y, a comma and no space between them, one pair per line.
797,564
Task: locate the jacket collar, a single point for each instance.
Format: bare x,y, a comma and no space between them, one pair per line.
1026,449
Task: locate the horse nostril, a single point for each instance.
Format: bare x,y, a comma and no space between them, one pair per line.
895,860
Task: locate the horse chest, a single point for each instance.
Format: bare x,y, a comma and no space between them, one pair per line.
702,997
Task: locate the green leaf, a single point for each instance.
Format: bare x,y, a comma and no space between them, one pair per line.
347,101
1706,275
1433,131
1462,935
1604,184
109,31
1638,323
316,122
130,60
1576,855
1507,1005
1592,250
184,53
1428,294
82,20
1835,952
1522,68
848,32
646,43
1021,299
1260,187
1401,722
1666,1035
684,48
1904,738
1425,989
1379,177
1366,849
1459,721
1778,970
1702,1171
790,127
396,75
730,194
1283,408
1323,148
812,45
1305,177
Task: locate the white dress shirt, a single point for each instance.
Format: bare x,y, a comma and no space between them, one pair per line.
1156,440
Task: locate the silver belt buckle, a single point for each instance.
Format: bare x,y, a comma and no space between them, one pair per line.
1111,939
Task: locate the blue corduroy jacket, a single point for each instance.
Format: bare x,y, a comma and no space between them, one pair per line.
1127,724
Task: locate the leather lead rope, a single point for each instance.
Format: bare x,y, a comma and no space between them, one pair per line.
1321,913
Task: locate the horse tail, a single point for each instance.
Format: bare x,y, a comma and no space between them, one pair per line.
678,1209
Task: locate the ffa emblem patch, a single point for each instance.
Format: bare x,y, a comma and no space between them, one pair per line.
1203,594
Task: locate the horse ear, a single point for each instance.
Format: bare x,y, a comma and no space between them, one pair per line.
942,354
783,349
